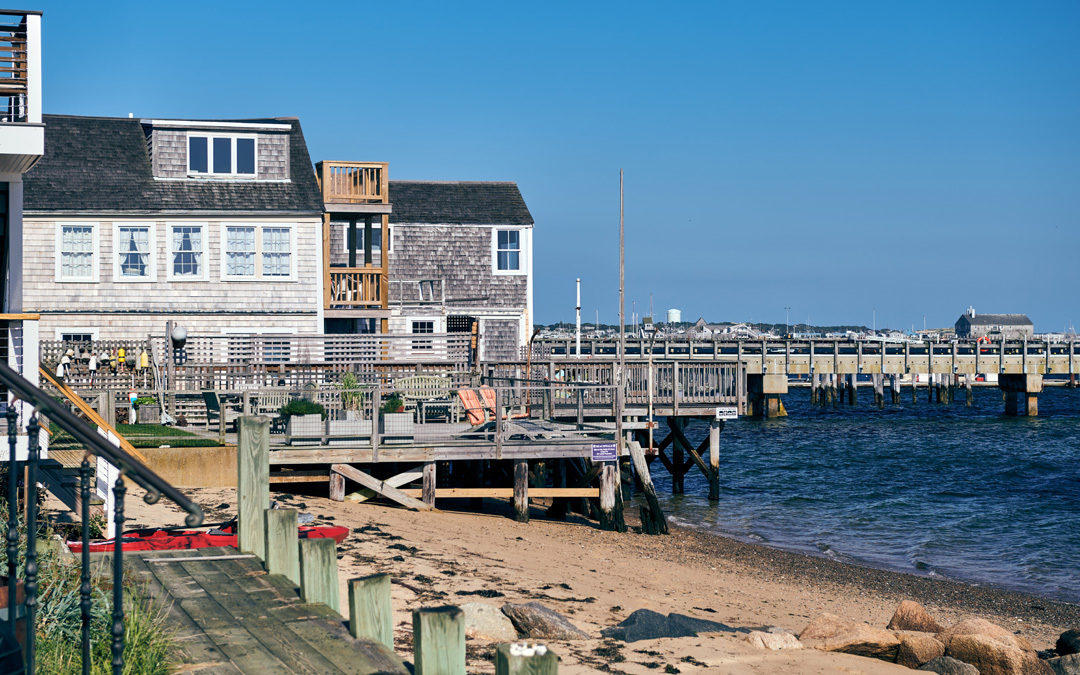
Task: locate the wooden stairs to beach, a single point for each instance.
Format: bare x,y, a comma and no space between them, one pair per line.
230,616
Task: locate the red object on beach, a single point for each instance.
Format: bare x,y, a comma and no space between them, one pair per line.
168,540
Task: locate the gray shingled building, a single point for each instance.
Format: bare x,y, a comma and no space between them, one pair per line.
994,326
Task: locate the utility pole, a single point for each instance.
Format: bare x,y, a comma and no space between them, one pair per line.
787,321
578,310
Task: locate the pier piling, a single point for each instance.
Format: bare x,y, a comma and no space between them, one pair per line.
879,390
853,389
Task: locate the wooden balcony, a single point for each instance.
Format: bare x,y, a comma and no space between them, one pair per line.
356,288
353,182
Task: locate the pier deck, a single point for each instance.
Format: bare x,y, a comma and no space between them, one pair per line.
232,617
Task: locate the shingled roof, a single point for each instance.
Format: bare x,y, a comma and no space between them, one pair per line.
101,165
458,203
998,320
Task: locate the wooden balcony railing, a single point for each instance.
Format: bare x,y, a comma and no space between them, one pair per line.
353,182
14,66
355,287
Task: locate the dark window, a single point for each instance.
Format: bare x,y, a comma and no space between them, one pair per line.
197,154
421,328
222,155
245,155
76,337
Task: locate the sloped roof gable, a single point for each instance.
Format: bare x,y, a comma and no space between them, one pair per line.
458,203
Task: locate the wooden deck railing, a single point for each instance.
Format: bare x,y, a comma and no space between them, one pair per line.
13,68
353,182
352,287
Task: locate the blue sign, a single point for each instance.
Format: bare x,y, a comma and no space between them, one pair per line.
604,452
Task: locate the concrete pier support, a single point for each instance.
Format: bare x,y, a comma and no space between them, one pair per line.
1015,386
764,393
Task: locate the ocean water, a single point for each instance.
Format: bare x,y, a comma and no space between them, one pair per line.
961,492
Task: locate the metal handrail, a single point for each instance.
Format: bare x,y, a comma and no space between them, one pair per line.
154,485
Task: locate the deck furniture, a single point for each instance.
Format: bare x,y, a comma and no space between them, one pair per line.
422,393
225,413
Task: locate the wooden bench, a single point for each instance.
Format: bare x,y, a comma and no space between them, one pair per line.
421,391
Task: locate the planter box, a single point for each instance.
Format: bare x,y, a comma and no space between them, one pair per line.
149,414
397,425
348,428
305,427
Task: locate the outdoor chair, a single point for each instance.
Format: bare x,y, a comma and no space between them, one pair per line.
225,415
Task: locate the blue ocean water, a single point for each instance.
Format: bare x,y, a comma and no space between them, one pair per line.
962,492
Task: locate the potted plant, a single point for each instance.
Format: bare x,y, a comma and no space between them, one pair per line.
394,421
303,419
147,410
350,423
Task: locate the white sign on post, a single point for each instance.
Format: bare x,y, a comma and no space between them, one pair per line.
727,412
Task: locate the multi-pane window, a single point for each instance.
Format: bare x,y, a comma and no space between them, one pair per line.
240,251
508,251
276,252
133,251
221,155
422,328
76,252
187,251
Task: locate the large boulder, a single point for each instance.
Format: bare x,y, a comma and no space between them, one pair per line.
487,622
947,665
1065,665
773,641
910,615
992,649
917,649
830,633
1068,643
537,621
645,624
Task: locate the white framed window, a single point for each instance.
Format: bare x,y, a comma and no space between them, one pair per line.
76,252
508,252
276,251
422,327
187,251
255,251
77,334
134,252
233,155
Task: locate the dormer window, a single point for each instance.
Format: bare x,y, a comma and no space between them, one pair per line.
221,155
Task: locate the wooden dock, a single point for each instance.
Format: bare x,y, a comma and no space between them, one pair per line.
232,617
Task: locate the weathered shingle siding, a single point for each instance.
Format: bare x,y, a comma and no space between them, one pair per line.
461,256
500,340
273,160
168,153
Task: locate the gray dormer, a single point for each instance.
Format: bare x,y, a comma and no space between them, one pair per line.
211,150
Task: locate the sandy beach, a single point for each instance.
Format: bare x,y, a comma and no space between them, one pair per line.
597,578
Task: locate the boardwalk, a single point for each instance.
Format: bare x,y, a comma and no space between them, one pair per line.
232,617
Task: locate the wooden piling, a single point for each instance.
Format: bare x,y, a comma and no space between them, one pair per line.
894,386
370,614
516,664
969,395
337,487
428,491
282,543
853,388
318,572
678,473
814,381
611,517
521,490
652,516
439,641
879,390
914,387
252,483
715,427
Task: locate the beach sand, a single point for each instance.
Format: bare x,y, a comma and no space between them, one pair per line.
597,578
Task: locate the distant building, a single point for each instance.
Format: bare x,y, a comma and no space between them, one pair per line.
1009,326
674,316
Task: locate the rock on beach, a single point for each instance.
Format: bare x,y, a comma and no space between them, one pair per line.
947,665
487,622
830,633
1069,642
992,649
917,649
1065,665
539,622
910,615
773,641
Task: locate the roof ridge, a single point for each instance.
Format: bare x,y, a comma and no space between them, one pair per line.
454,182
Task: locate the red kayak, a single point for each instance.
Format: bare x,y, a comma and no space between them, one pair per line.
172,539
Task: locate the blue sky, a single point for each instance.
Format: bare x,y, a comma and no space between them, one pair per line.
833,157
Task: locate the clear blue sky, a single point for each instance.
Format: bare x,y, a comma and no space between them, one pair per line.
834,157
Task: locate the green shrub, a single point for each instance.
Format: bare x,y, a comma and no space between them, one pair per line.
301,406
393,404
351,399
145,400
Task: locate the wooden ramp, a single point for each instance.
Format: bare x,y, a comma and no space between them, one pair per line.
232,617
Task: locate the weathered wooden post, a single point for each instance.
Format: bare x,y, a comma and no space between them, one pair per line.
894,386
652,516
914,387
715,427
677,472
967,389
439,641
879,390
337,487
813,389
318,572
370,613
428,485
525,659
853,388
282,543
521,490
252,483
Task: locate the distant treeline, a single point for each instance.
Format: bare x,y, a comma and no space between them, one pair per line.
686,325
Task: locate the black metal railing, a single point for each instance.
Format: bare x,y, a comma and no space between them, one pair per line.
95,445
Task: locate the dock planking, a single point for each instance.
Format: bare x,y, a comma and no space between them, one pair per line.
230,616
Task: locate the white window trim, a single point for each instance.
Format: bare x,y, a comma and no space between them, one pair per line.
258,276
523,266
152,227
205,274
376,227
210,136
95,263
92,332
